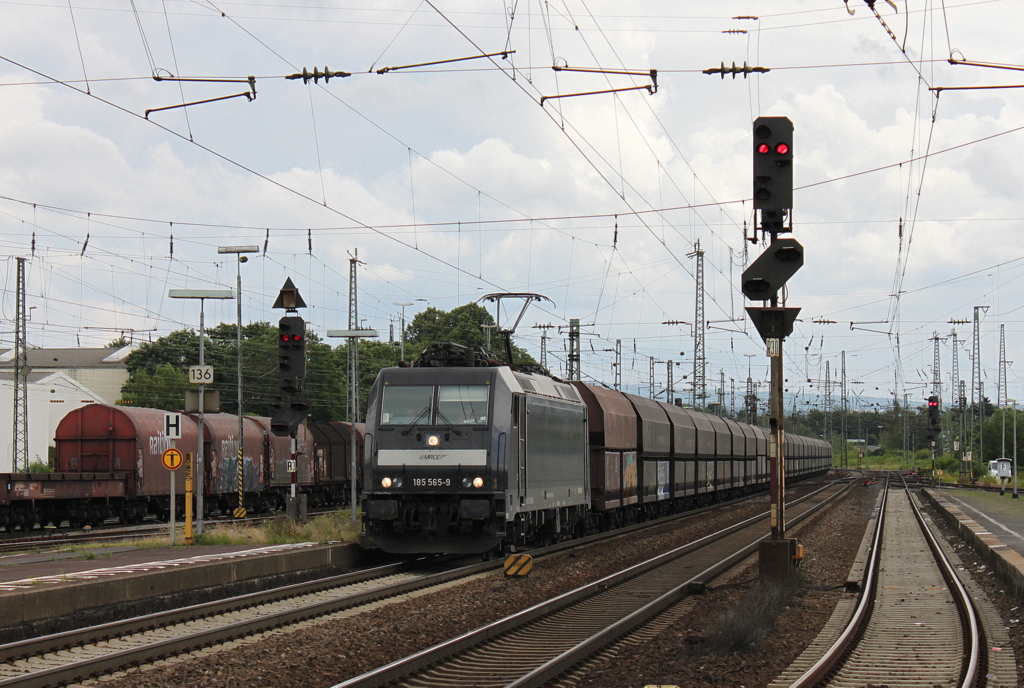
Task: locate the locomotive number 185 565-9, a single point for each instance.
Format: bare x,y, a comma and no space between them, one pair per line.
431,482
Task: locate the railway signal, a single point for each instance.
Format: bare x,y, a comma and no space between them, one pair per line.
766,275
291,356
933,418
773,202
773,163
291,352
289,416
773,166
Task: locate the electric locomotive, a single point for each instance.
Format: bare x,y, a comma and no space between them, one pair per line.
464,454
459,459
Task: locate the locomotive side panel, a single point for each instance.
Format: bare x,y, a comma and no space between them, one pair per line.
556,453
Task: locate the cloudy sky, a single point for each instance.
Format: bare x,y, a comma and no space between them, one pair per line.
455,180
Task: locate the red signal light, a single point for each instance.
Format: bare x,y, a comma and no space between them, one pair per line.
782,148
296,337
764,148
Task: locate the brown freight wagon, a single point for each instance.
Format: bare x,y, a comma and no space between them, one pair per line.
684,454
612,425
220,461
102,438
333,463
99,437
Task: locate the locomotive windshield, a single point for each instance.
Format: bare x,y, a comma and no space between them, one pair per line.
463,404
406,404
434,405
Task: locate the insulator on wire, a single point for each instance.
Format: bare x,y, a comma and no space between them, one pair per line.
316,74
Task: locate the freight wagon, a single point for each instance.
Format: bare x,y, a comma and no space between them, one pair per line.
108,465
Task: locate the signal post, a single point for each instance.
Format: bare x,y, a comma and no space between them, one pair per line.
762,281
288,415
933,430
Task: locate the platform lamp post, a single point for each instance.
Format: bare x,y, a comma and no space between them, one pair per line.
239,251
1014,402
202,295
353,337
403,304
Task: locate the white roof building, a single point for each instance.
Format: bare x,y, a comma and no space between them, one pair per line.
50,397
101,370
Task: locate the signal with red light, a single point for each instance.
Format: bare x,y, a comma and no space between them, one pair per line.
291,353
934,427
773,169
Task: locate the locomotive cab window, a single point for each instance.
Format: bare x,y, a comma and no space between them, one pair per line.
403,405
462,404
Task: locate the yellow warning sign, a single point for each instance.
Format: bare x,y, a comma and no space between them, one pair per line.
172,459
519,565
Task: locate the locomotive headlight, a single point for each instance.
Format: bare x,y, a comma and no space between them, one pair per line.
385,482
478,482
397,482
433,441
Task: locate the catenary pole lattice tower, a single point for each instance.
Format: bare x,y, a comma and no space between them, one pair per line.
977,387
699,360
20,372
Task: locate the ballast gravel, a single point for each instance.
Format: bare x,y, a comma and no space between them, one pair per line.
324,653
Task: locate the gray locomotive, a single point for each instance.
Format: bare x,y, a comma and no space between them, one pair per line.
467,455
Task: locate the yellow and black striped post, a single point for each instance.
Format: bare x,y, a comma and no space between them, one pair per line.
519,565
188,498
240,509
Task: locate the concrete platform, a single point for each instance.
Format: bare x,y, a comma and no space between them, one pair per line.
1003,516
990,523
44,593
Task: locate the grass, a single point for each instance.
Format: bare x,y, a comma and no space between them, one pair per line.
923,462
334,527
749,620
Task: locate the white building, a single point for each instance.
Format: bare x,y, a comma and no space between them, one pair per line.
59,381
50,397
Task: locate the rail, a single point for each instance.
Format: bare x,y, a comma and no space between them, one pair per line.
832,660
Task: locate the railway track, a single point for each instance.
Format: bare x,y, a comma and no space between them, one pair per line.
915,623
72,656
66,657
538,644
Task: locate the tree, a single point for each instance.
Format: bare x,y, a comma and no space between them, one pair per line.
466,325
163,388
158,371
180,349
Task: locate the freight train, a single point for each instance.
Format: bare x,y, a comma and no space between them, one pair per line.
108,465
466,455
